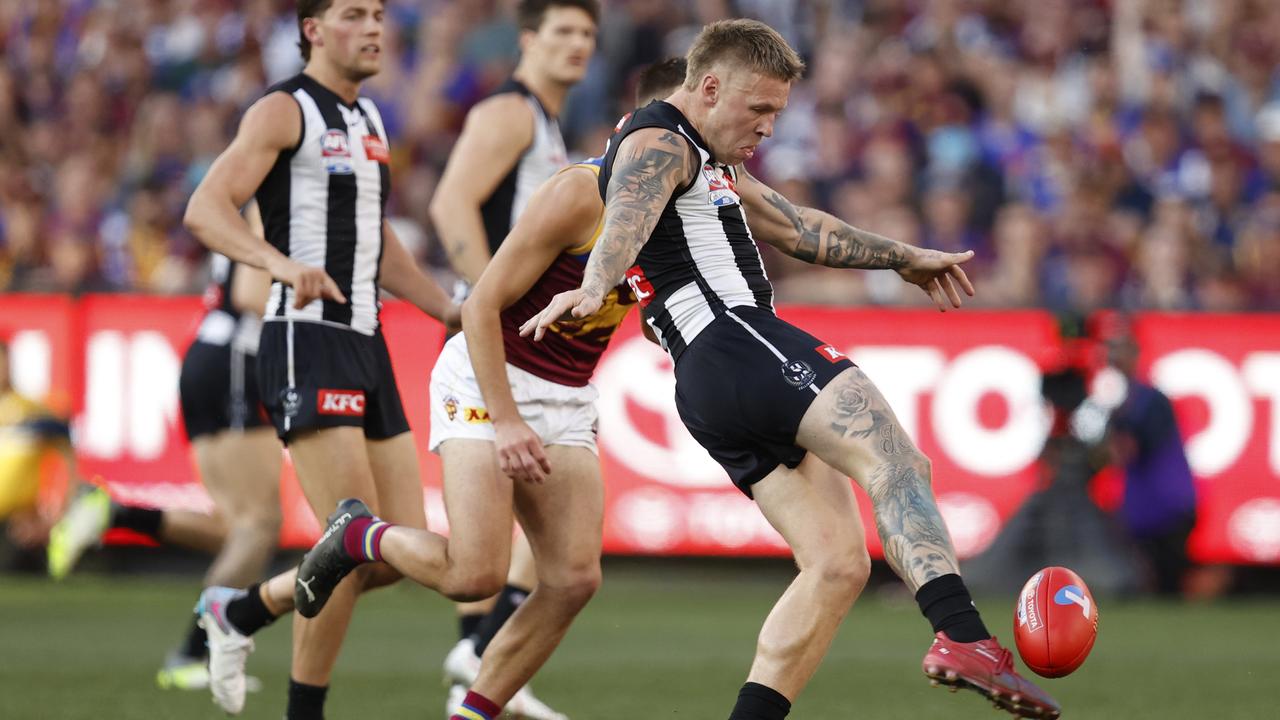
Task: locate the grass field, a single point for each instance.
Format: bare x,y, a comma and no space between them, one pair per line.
658,642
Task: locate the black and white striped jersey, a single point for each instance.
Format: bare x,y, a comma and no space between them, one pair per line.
701,259
223,324
322,204
544,157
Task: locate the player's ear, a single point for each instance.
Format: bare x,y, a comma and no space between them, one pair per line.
710,88
311,31
526,40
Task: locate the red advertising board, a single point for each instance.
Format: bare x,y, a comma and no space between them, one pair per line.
964,385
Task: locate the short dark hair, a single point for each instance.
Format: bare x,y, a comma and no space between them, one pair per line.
531,13
749,43
660,79
309,9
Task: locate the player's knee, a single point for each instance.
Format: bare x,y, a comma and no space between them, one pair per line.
923,466
473,585
905,469
261,522
845,573
574,586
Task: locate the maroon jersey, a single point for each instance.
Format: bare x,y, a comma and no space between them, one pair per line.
569,352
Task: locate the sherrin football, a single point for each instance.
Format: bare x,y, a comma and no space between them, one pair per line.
1056,622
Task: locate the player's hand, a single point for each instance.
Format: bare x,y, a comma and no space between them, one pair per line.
520,452
309,283
570,305
452,317
938,274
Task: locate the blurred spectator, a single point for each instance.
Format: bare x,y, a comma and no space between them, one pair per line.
1094,153
1159,507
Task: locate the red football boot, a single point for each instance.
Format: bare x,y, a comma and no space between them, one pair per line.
986,667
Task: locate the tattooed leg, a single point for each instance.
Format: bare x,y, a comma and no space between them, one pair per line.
852,428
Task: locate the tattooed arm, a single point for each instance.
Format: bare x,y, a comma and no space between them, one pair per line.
651,163
823,239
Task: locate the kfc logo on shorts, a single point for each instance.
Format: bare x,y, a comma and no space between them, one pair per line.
798,373
336,153
340,402
830,353
640,286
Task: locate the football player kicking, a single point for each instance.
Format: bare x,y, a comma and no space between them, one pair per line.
764,397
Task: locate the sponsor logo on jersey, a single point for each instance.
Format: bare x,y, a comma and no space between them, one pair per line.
720,189
798,373
640,285
340,402
475,415
451,406
336,153
830,353
376,150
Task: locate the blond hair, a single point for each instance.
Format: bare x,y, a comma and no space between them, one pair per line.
745,43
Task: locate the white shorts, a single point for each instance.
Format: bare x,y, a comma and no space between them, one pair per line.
559,414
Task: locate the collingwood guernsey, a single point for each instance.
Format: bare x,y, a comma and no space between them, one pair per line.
323,201
701,259
544,157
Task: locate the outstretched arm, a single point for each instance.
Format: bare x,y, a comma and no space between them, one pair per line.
650,165
823,239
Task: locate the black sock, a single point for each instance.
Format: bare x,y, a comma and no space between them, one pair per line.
946,603
306,702
468,624
759,702
138,519
197,643
248,613
508,601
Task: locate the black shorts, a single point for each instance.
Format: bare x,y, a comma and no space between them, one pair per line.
744,384
218,389
318,376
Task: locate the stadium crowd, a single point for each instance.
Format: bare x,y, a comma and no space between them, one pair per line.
1095,153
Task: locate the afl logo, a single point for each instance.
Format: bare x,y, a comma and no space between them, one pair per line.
336,153
720,189
798,373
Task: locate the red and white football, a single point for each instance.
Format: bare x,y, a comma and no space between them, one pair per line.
1056,622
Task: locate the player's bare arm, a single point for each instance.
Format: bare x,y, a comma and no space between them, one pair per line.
400,274
251,286
562,214
269,126
649,166
823,239
497,132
